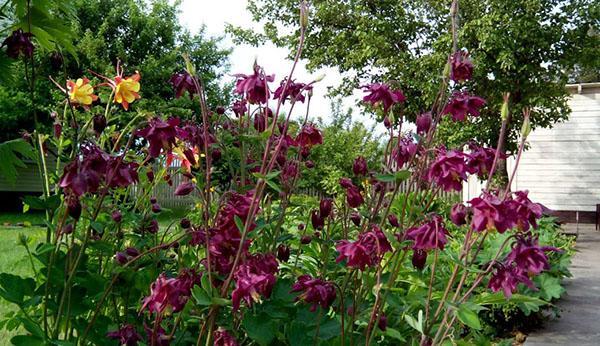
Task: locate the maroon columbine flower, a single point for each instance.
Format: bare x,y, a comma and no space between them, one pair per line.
239,107
85,173
325,207
527,212
463,104
160,135
309,135
430,235
254,278
382,322
381,94
254,87
121,173
99,124
127,335
121,258
458,214
157,337
185,188
305,239
117,216
366,251
461,66
423,123
354,197
404,151
318,222
172,293
490,212
73,206
359,167
19,43
528,256
506,278
419,258
260,123
449,170
315,291
480,160
183,82
223,338
355,218
293,91
283,253
393,220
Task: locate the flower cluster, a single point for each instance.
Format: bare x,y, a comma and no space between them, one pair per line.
381,94
366,251
293,91
490,212
170,293
254,278
315,291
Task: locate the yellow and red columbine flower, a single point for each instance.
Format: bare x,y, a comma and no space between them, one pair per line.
81,92
126,89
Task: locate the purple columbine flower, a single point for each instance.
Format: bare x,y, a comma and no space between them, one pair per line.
309,135
293,91
283,253
506,278
404,151
449,170
121,173
526,211
359,167
366,251
461,66
458,214
430,235
315,291
161,135
528,256
463,104
382,94
480,160
317,221
254,278
223,338
19,43
183,82
419,258
490,212
393,220
185,188
239,107
254,87
170,293
99,123
355,218
127,335
85,173
423,123
325,207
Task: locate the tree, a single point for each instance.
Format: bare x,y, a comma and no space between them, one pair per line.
142,35
343,141
528,48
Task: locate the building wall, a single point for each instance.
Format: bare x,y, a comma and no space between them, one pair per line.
562,167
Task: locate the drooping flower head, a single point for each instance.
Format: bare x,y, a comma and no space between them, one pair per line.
85,173
381,94
424,122
239,107
506,278
527,212
170,293
223,338
528,256
160,134
366,251
359,167
121,173
449,170
254,87
430,235
308,136
480,160
353,195
315,291
404,151
81,92
461,66
463,104
293,92
183,82
127,335
254,278
489,212
458,214
19,43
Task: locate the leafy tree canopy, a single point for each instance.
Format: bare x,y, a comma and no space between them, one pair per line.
529,48
142,35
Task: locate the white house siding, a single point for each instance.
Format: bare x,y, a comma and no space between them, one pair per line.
562,167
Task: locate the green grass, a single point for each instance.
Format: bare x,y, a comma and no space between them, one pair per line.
14,260
16,218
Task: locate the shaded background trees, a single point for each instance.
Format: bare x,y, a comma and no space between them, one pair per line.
530,48
143,35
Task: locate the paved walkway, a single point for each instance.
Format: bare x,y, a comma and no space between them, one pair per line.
579,323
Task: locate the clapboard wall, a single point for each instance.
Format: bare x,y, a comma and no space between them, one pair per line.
562,167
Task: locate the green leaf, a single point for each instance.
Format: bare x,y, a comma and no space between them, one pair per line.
393,333
550,287
417,324
10,160
260,328
26,340
14,288
468,317
201,297
239,223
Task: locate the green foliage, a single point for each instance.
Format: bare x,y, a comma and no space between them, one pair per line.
527,48
11,155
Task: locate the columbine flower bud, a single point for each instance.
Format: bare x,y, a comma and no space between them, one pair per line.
99,124
359,167
185,223
317,220
74,207
283,253
386,122
304,14
355,218
57,130
504,110
419,258
117,216
121,258
305,240
325,207
301,227
156,208
309,164
131,251
393,220
458,214
526,128
424,123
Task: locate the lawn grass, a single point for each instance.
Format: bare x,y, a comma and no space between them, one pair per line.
14,260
